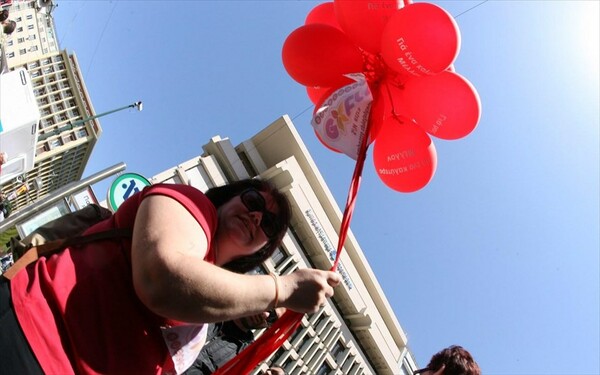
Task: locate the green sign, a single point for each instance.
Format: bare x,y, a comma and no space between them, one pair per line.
123,187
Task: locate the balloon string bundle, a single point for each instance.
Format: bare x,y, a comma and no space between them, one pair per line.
357,61
273,338
352,194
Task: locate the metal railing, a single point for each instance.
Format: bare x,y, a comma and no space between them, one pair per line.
59,194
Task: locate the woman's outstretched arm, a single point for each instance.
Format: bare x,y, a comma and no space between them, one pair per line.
171,278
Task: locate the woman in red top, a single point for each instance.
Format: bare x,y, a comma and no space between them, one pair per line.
138,306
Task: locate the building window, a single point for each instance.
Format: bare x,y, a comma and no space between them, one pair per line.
324,369
32,37
29,16
19,29
30,27
81,133
337,349
404,370
33,48
41,149
22,51
9,43
357,367
278,257
20,40
19,19
11,54
68,138
55,143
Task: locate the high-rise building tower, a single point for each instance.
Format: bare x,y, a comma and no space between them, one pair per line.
62,150
356,333
35,34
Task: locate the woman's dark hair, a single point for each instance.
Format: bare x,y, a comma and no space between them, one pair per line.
222,194
458,361
4,15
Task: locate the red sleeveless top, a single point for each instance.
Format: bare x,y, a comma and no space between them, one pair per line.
78,308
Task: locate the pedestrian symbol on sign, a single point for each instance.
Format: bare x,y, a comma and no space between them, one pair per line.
124,187
130,190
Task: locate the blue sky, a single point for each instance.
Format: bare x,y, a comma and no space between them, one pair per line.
498,253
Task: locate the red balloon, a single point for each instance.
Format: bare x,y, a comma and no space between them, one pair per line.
404,156
320,55
318,94
393,95
378,113
420,39
323,13
388,101
364,20
445,105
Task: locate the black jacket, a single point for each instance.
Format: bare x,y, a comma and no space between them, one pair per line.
223,342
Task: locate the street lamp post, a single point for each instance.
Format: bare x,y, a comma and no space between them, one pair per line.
72,125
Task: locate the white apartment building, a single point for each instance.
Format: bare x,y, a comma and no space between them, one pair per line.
35,34
62,151
357,333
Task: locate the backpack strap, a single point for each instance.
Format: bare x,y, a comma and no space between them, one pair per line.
55,246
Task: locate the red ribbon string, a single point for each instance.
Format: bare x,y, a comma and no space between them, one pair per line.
286,325
352,193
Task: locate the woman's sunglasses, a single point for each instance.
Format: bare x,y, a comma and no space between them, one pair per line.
255,202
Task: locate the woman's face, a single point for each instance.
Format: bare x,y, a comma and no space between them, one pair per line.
239,228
